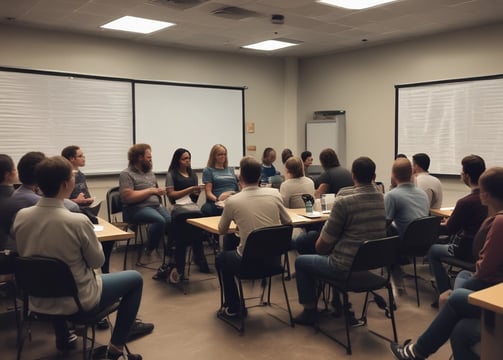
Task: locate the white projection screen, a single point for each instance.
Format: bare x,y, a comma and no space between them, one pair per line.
451,119
195,117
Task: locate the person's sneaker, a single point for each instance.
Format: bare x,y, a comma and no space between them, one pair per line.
102,353
139,329
163,272
306,317
434,304
69,343
405,351
103,324
228,312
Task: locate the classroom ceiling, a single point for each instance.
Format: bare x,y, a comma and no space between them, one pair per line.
226,25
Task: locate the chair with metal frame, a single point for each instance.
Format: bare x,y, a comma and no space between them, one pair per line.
265,255
417,240
45,277
371,255
114,206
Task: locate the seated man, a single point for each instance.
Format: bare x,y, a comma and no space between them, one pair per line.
253,208
334,176
357,215
450,321
465,221
430,184
41,229
141,195
403,204
80,194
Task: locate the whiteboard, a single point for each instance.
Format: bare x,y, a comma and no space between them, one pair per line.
169,116
451,119
327,134
42,111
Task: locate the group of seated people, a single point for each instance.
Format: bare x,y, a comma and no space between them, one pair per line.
360,212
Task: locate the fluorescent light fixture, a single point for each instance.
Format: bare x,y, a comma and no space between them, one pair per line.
136,24
269,45
354,4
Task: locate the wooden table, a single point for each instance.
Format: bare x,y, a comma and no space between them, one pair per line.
491,326
111,232
442,212
210,223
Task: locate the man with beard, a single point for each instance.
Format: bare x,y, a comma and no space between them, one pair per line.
141,196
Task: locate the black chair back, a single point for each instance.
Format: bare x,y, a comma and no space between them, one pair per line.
263,250
376,254
419,236
46,277
114,202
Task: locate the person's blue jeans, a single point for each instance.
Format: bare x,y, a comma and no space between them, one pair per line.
305,242
210,209
126,287
307,269
227,264
447,324
464,336
465,280
158,219
438,270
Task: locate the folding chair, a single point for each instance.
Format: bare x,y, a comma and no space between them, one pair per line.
371,255
45,277
417,240
265,255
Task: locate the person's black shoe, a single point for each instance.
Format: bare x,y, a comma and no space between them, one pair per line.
434,304
306,317
69,343
139,329
405,351
163,272
103,324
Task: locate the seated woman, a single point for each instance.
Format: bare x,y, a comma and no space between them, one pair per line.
182,191
296,184
219,179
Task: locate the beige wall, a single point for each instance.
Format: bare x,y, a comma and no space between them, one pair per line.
362,83
282,93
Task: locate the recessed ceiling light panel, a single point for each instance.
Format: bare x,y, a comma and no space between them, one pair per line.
137,25
354,4
269,45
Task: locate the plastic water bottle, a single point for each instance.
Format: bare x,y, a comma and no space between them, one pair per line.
309,207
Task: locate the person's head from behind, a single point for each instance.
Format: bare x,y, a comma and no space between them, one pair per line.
491,186
55,177
473,166
285,155
218,157
307,158
401,170
140,155
294,167
329,159
421,161
181,159
26,167
8,173
75,155
363,170
268,156
250,170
